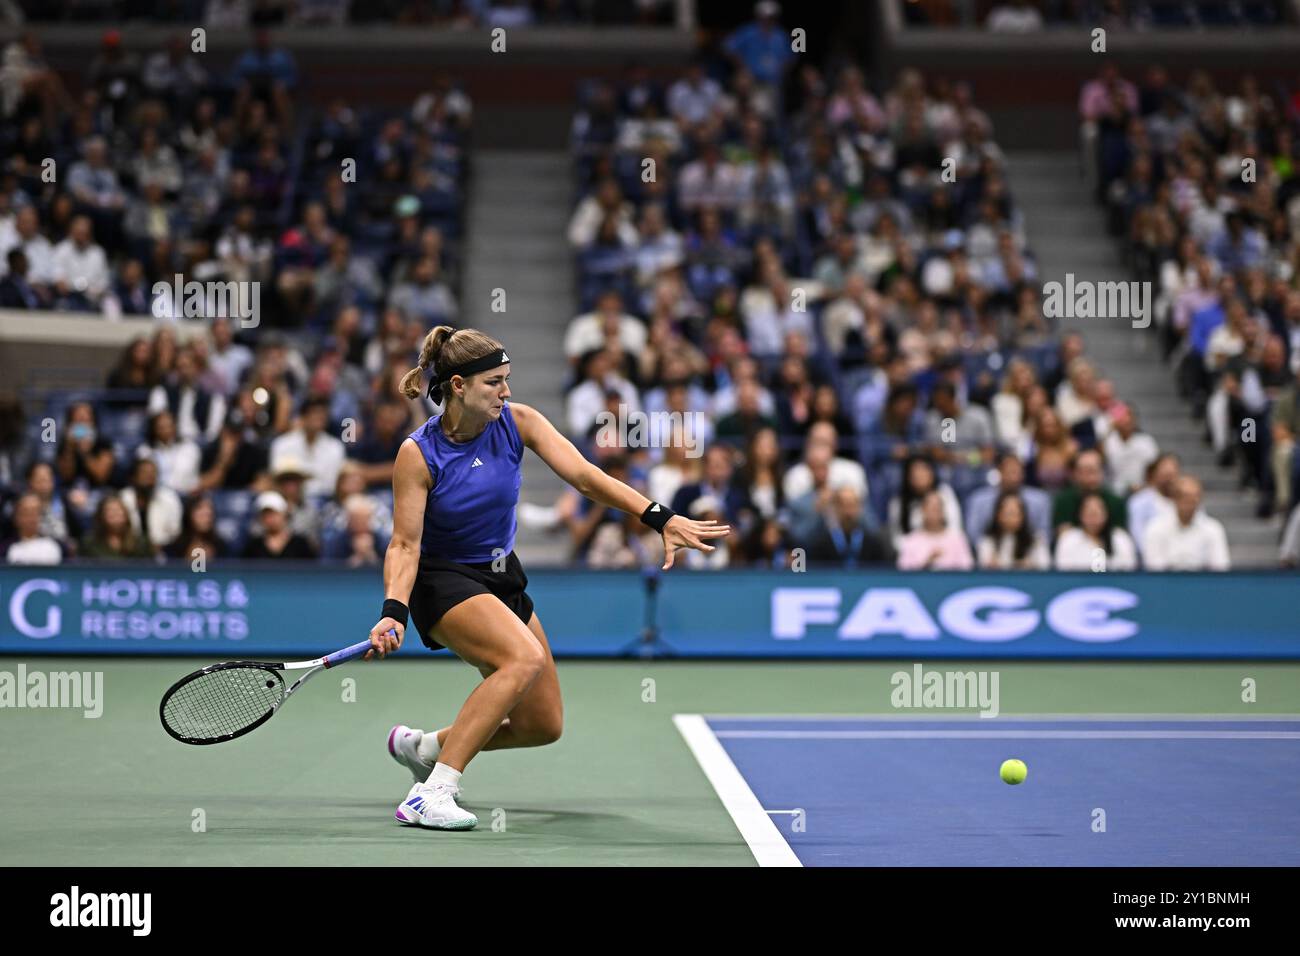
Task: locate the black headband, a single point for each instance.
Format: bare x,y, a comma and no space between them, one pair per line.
491,360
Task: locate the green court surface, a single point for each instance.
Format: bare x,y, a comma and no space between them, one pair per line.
316,786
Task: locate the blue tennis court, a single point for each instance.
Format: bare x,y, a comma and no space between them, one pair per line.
884,791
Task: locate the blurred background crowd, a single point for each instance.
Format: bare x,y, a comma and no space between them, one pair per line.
818,293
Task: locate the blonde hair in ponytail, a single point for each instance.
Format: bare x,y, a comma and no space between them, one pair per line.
445,347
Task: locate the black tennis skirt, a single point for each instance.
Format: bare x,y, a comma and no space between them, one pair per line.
441,584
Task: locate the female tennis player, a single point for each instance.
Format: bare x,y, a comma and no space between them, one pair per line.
452,560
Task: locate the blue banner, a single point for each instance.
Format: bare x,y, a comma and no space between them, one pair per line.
289,612
260,611
977,614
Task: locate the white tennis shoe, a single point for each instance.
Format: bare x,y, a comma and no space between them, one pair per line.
403,744
434,806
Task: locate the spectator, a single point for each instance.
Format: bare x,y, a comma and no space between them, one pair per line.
1187,540
27,237
111,536
1008,404
377,450
94,183
277,540
1088,476
607,323
844,538
843,471
30,545
961,437
155,511
761,46
311,447
1092,542
1285,432
718,481
935,545
1153,499
358,543
174,74
177,458
604,202
1075,399
134,369
601,378
227,359
741,425
673,471
236,459
16,291
335,527
55,515
1010,541
905,509
763,473
85,458
291,479
981,504
199,540
1129,452
80,269
198,413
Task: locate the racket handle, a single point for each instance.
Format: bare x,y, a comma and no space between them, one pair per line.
348,653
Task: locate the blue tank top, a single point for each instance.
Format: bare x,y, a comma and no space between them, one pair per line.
470,511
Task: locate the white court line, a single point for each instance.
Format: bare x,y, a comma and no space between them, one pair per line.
1008,717
1009,734
756,827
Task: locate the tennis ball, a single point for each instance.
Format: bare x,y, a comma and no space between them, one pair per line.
1013,771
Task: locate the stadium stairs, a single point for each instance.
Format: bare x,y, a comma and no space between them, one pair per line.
519,207
1067,233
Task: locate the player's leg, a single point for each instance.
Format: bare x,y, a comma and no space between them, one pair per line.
483,632
536,720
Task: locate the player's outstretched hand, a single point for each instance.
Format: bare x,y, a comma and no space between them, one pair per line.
385,638
681,532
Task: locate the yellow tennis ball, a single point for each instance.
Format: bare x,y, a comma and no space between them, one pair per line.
1013,771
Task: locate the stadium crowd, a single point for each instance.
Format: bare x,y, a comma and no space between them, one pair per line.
1202,186
216,439
839,349
243,14
836,348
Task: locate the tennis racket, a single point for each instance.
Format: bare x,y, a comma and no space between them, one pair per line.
224,701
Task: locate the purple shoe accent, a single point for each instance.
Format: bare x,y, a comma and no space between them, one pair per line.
391,733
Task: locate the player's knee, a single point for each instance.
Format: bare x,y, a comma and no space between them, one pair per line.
525,665
548,731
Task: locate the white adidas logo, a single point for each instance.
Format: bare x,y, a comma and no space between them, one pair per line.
476,463
504,357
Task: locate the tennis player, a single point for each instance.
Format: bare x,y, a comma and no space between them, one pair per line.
452,560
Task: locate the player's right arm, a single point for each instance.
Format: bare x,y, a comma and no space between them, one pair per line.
411,484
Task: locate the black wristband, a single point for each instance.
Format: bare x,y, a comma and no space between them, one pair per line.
656,516
396,610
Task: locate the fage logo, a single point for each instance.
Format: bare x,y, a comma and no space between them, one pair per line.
985,614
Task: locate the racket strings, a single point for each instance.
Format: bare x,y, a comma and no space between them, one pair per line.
223,702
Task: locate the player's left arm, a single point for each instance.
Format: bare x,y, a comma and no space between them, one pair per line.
566,461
